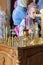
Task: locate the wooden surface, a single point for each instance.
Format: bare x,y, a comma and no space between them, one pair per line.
32,55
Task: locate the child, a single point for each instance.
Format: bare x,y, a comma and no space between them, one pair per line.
29,21
40,6
19,13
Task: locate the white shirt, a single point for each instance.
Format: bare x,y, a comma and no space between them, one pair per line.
21,27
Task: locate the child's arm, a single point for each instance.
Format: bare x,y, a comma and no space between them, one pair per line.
21,27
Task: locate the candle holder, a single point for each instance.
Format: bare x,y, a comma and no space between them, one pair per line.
26,37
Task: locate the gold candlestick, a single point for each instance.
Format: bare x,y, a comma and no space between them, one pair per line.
12,39
25,37
6,33
9,41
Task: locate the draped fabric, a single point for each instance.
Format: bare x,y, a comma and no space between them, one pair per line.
18,14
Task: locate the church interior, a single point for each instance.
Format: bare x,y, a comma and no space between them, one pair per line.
26,49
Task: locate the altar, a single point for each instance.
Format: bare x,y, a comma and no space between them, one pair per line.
32,55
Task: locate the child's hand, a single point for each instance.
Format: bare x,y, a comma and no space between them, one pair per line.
30,31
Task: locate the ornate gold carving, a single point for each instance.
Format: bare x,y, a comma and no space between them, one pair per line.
6,58
2,60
